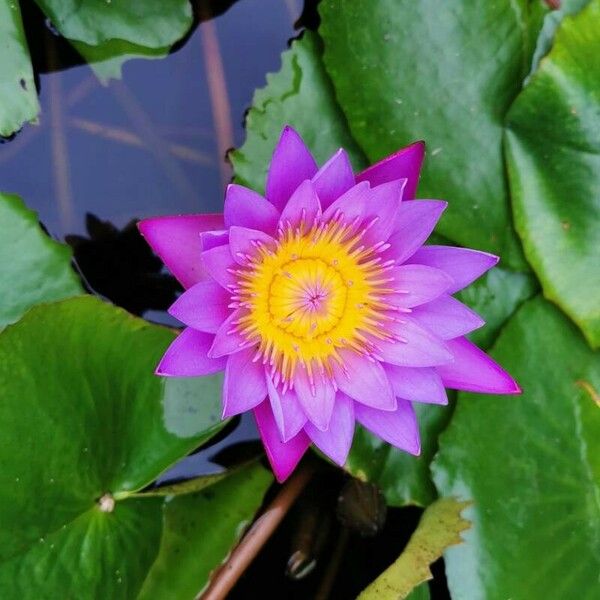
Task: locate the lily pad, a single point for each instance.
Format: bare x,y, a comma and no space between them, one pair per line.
553,151
85,424
440,527
150,23
531,466
17,88
200,530
300,95
33,267
444,72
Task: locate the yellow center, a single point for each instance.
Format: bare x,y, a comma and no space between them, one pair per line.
315,292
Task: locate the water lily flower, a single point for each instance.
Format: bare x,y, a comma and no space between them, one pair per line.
322,305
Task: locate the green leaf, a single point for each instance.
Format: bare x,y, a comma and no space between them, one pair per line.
439,527
18,96
404,479
553,151
84,417
531,466
150,23
300,95
495,297
444,72
199,531
33,267
551,22
421,592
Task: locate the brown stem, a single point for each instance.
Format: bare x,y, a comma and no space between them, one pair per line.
262,529
324,591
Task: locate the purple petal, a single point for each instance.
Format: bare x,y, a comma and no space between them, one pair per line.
405,163
414,223
187,356
334,178
381,210
244,386
288,413
417,384
212,239
291,164
219,264
462,264
447,317
244,243
246,208
364,380
416,346
399,428
351,205
203,306
302,207
316,398
177,241
416,284
283,456
337,440
474,371
228,338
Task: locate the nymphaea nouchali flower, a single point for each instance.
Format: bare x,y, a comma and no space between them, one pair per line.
322,305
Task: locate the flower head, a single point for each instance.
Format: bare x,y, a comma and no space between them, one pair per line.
321,304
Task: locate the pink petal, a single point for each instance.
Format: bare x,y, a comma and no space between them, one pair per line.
228,338
447,317
405,163
414,223
417,384
316,398
364,380
187,356
212,239
283,456
474,371
219,264
462,264
416,346
246,208
203,306
337,440
416,284
302,207
399,428
244,386
244,243
351,205
177,241
381,210
288,413
291,164
334,178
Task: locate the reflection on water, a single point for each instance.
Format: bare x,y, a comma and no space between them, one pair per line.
153,143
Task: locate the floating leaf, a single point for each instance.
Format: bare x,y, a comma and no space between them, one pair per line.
86,423
33,267
18,96
200,530
300,95
531,466
444,72
439,527
553,151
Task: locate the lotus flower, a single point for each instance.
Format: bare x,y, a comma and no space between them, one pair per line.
322,305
